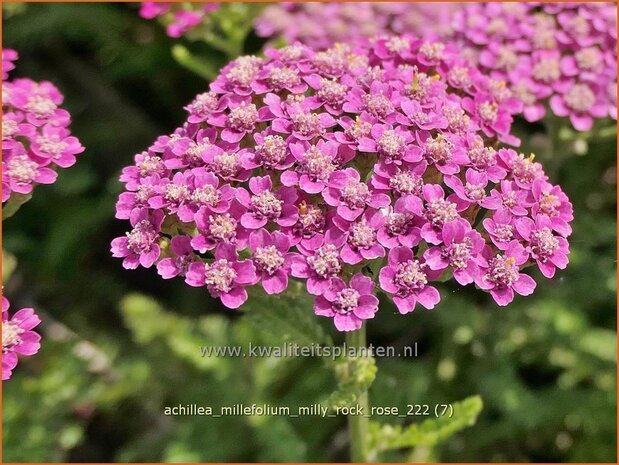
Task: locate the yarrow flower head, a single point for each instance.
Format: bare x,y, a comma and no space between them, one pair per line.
36,139
561,55
18,339
380,181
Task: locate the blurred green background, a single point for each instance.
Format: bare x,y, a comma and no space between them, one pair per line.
119,345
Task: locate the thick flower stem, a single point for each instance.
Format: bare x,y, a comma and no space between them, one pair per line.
358,424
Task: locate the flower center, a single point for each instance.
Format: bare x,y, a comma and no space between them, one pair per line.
346,301
504,232
502,271
588,58
488,111
522,92
243,117
457,119
177,193
41,107
544,243
331,62
265,204
307,124
459,254
268,259
195,150
11,336
547,70
244,70
219,276
507,58
206,195
405,182
22,169
355,194
377,105
459,76
325,262
391,144
432,50
9,129
438,149
332,92
525,169
549,204
358,129
317,165
280,78
474,191
580,98
362,235
440,211
222,227
226,164
143,193
397,44
272,151
397,224
410,277
203,104
141,237
149,165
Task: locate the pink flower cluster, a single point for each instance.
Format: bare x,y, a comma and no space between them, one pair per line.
35,136
179,18
559,54
322,24
17,336
345,167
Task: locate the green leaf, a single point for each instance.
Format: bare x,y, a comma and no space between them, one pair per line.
14,204
9,262
601,343
286,317
428,433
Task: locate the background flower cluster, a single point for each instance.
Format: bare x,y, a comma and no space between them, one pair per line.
36,139
561,55
320,25
328,165
178,17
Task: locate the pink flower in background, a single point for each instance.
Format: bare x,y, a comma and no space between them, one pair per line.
343,167
559,54
36,140
18,339
8,58
320,25
178,18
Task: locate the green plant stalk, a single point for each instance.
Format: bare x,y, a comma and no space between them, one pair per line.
358,424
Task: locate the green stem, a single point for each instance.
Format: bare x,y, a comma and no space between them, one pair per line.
358,424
